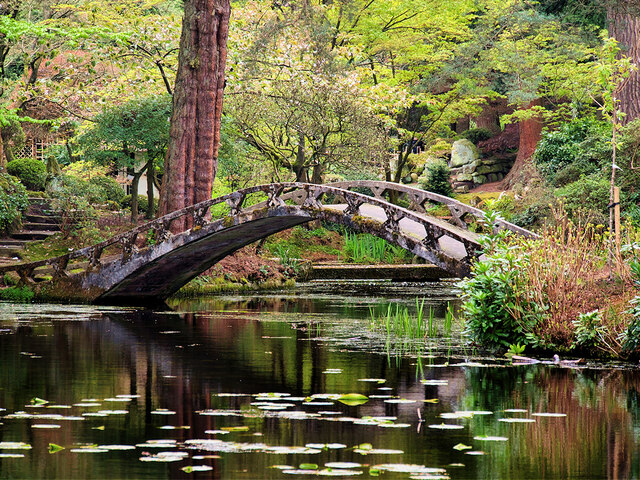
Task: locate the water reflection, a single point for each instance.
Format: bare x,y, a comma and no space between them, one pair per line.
188,362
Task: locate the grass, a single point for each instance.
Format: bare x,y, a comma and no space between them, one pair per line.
365,248
205,285
398,322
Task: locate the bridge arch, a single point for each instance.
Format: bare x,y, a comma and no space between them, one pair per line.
150,274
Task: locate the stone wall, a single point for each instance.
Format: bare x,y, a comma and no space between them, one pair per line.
470,169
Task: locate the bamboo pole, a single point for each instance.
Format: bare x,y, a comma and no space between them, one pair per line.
616,203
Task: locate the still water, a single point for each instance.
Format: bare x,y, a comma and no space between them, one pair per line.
249,388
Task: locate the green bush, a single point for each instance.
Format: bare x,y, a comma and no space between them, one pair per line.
494,297
569,174
31,172
436,178
113,191
69,185
17,294
588,196
13,202
584,143
475,135
143,203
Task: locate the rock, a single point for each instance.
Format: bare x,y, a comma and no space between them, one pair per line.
479,179
463,152
464,177
486,169
493,177
469,168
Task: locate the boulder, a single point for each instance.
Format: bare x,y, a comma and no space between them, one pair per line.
463,152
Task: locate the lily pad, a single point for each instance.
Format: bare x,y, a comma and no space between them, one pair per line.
517,420
14,446
462,446
343,465
353,399
489,438
45,426
446,426
54,448
196,468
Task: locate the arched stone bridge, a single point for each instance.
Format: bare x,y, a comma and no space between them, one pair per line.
148,263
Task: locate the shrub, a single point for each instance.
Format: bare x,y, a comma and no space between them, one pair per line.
31,172
143,203
436,178
17,294
587,196
85,170
13,202
496,309
569,174
475,135
69,185
112,190
584,143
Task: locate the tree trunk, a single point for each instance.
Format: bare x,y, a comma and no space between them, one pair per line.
3,162
625,28
192,156
530,135
151,171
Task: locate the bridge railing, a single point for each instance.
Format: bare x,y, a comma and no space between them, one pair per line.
277,194
418,198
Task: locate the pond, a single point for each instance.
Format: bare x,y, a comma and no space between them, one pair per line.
258,387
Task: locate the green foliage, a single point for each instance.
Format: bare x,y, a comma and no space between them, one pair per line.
496,309
13,202
31,172
436,178
515,349
143,203
112,190
17,294
122,130
475,135
588,196
72,200
365,248
582,144
631,337
589,330
69,185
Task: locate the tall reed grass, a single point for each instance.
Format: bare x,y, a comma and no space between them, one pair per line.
365,248
396,321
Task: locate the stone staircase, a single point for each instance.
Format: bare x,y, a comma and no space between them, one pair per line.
39,223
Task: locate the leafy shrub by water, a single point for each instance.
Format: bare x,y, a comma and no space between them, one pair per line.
436,178
31,172
13,202
496,307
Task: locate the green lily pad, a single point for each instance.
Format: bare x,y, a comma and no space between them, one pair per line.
462,446
53,448
196,468
353,399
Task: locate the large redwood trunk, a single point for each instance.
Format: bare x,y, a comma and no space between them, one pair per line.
530,135
625,28
192,156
